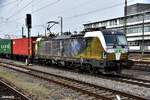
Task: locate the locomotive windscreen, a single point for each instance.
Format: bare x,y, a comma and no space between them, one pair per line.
115,39
109,39
121,40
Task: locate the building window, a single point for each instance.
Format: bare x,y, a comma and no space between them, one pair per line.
113,22
147,29
121,21
139,18
147,17
138,29
104,24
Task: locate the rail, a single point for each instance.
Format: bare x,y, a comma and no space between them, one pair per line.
14,93
86,88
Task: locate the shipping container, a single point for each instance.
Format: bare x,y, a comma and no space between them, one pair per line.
5,46
20,46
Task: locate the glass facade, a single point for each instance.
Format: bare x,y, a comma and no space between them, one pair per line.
138,29
113,22
134,19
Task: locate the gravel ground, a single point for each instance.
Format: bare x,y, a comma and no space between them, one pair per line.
138,74
132,89
40,90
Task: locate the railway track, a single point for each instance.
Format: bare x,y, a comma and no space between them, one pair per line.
143,65
122,78
8,92
129,79
91,90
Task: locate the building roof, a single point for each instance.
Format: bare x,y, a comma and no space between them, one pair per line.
137,8
131,15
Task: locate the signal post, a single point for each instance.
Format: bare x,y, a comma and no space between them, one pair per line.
29,26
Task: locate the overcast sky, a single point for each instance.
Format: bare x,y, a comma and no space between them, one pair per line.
74,13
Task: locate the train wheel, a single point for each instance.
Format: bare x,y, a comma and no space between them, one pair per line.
119,70
77,68
90,69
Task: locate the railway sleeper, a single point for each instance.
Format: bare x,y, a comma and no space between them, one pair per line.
124,98
99,91
106,93
111,96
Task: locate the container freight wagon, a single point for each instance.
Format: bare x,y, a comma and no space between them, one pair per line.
20,48
5,48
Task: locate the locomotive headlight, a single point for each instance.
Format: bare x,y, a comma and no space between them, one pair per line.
105,55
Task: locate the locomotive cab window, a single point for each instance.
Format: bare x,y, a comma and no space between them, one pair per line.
109,39
121,40
112,39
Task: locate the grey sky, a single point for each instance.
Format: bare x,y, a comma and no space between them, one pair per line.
74,13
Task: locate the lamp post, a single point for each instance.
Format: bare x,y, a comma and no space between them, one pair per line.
125,18
29,26
142,49
61,24
22,31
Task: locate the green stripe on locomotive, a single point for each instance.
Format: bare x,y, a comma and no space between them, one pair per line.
5,46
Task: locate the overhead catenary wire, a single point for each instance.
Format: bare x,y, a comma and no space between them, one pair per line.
14,14
78,6
78,15
49,4
88,2
96,10
37,10
74,16
16,3
7,4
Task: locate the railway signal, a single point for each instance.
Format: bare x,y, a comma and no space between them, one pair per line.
29,26
28,21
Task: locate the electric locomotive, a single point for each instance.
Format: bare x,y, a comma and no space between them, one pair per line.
103,50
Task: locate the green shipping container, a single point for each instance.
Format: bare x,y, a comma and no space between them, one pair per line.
5,46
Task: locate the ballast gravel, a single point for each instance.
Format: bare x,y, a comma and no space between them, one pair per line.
128,88
138,74
37,89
